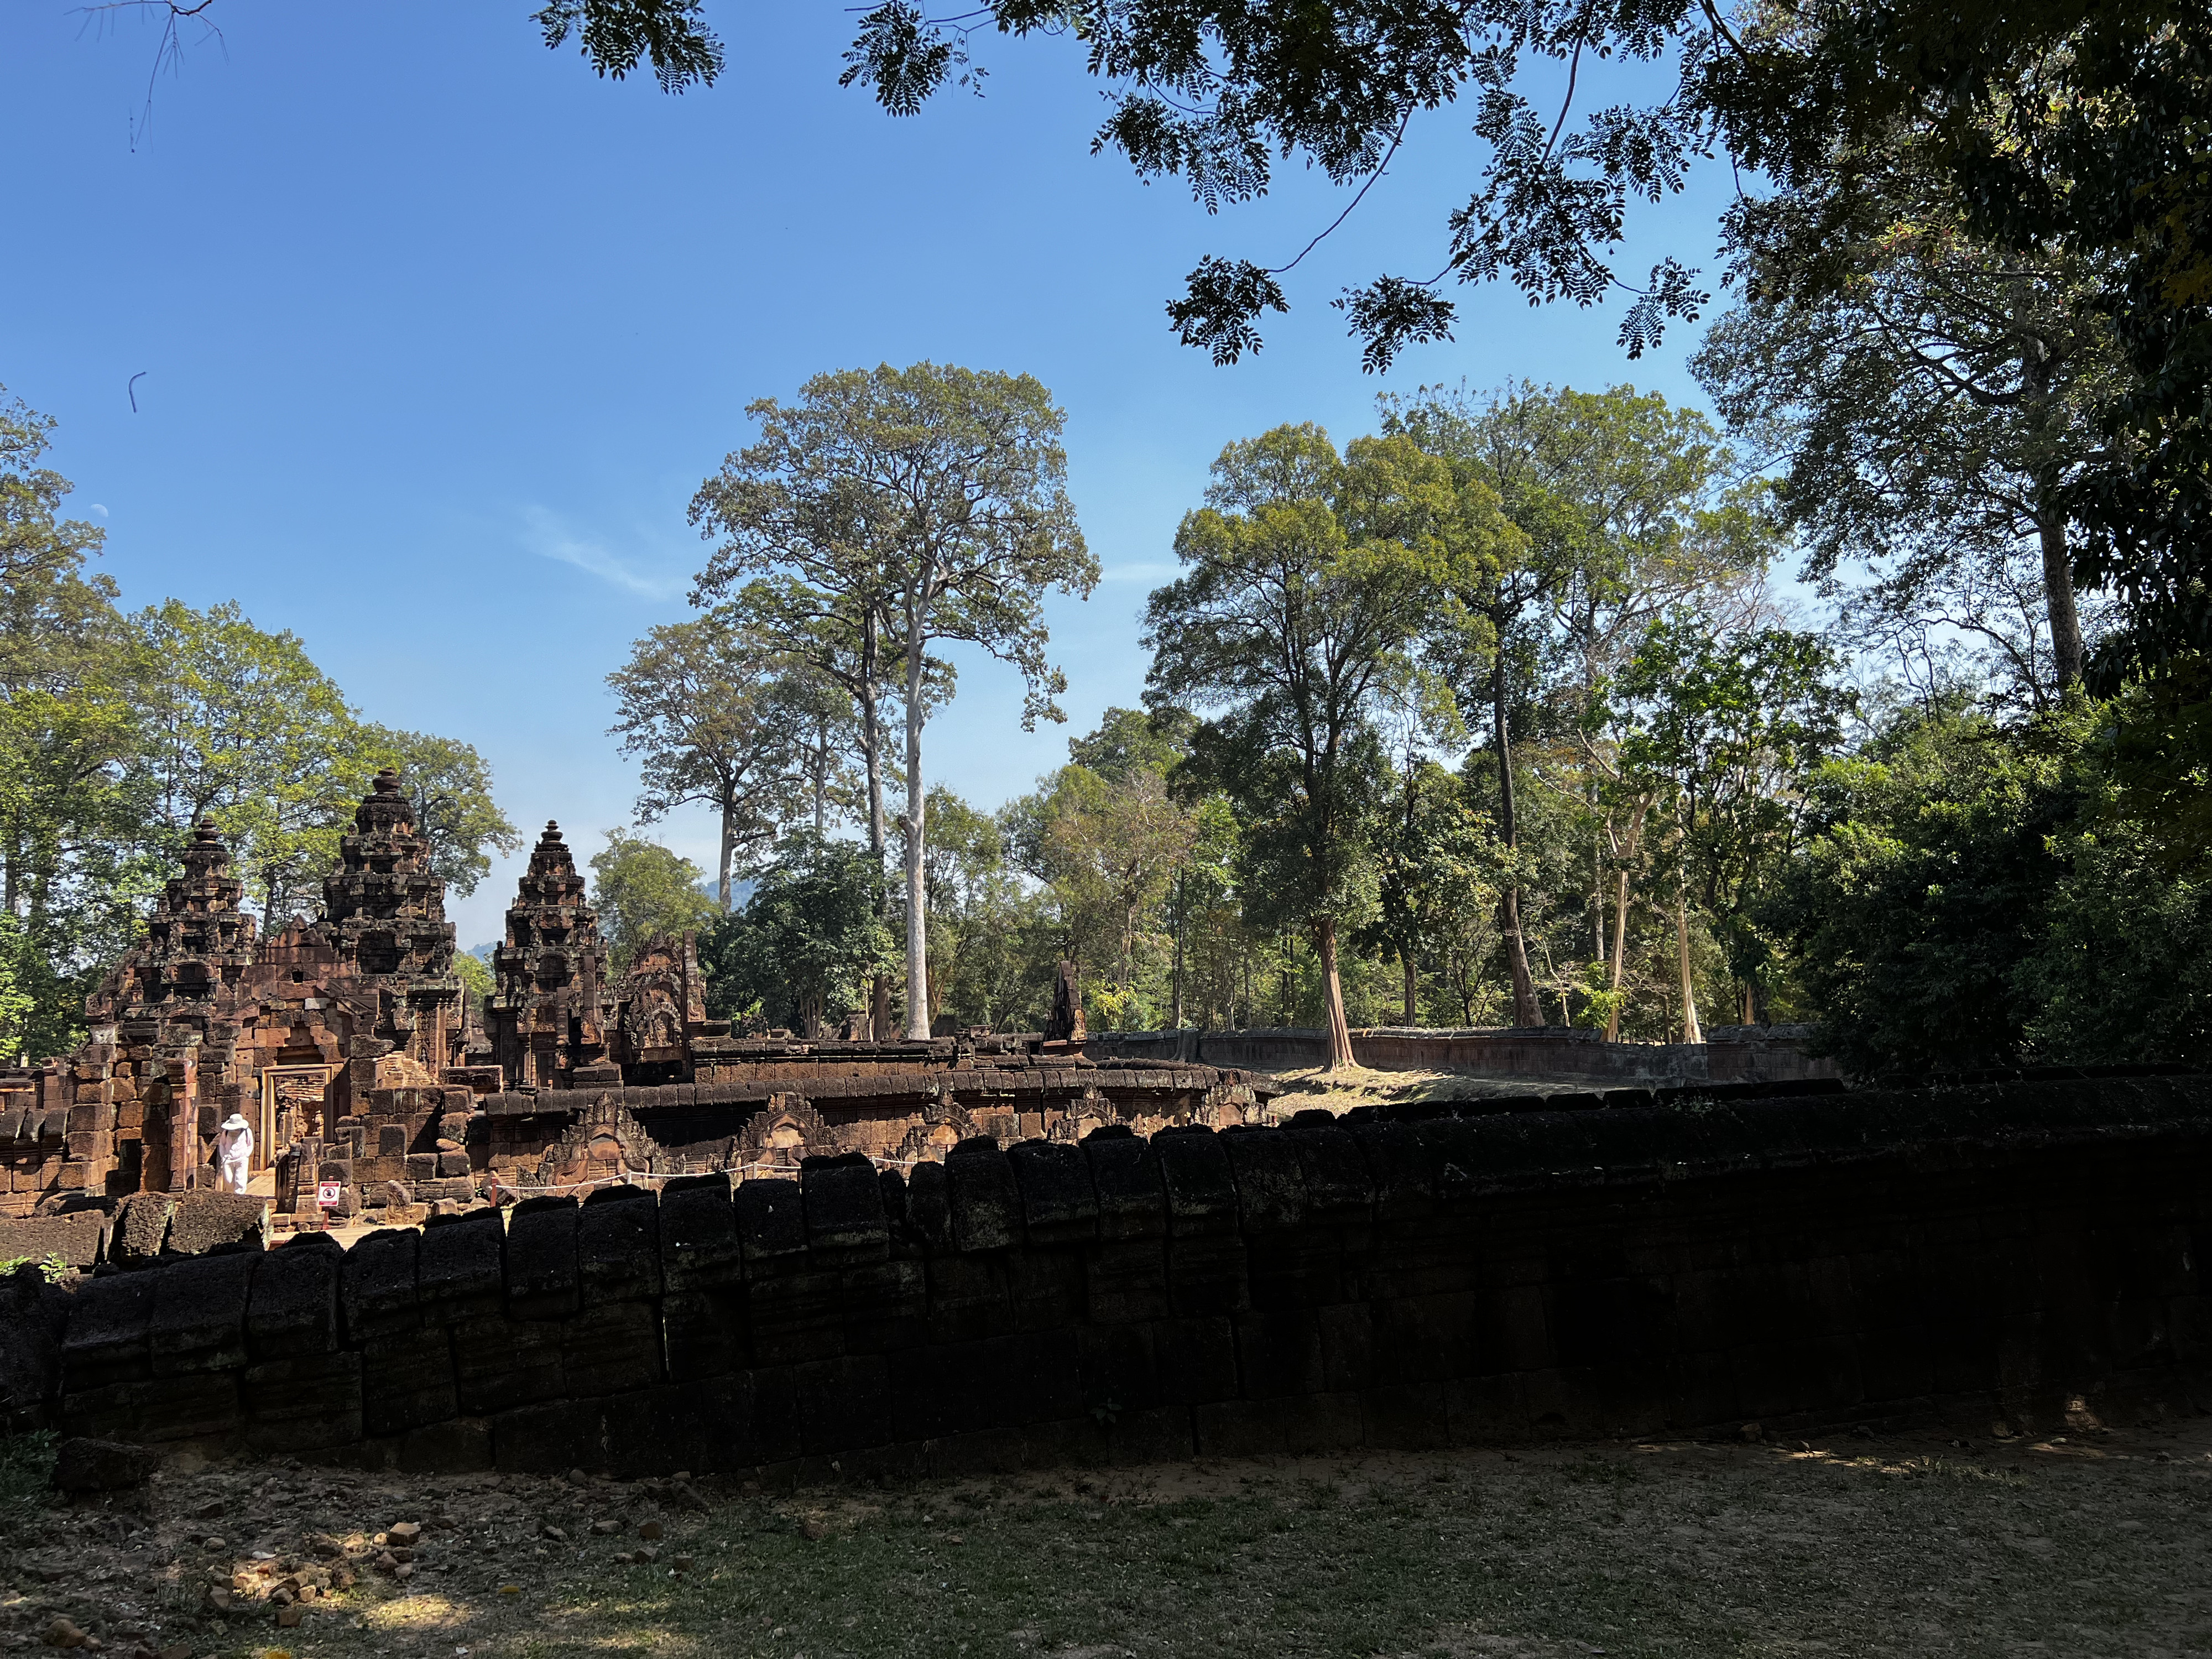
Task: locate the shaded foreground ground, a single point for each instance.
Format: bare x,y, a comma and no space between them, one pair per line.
2099,1544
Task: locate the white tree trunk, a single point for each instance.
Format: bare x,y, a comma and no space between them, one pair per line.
917,896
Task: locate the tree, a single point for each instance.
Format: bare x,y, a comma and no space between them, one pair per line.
1434,857
1627,506
75,850
703,706
1312,579
449,784
245,729
1935,398
934,498
808,941
643,889
1727,727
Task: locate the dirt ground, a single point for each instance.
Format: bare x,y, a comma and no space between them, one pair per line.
2095,1544
1358,1085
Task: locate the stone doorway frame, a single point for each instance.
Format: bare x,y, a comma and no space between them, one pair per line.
265,1131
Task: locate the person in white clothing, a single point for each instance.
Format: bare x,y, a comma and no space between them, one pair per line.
234,1154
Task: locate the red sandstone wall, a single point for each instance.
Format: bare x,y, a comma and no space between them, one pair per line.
1368,1283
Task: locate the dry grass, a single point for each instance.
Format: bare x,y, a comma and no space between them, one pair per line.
1358,1085
1891,1547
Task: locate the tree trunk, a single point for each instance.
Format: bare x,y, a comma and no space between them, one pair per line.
917,893
871,743
1175,997
2059,597
1340,1033
729,845
1691,1031
1412,988
1516,951
2051,526
1619,954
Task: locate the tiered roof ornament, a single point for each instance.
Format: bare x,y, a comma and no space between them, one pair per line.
384,915
552,1007
197,940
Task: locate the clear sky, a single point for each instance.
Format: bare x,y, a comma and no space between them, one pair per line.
440,333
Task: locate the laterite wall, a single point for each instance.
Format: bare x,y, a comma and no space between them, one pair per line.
1663,1268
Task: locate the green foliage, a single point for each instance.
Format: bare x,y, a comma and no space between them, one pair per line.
1976,895
641,889
928,504
475,975
807,942
449,784
51,1268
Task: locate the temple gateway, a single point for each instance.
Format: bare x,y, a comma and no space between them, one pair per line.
367,1072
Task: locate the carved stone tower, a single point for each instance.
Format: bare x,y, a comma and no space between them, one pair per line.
385,916
196,941
550,1011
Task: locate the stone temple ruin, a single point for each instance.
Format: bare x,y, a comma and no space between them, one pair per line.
354,1051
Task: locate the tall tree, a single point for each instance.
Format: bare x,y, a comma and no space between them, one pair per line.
700,704
1935,398
1311,581
245,729
75,849
1728,728
449,784
934,497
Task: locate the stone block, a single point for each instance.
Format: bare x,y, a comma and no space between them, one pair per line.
551,1439
1404,1417
968,1297
842,1403
407,1380
843,1202
376,1286
618,1247
1338,1183
731,1424
1125,1176
987,1212
1279,1353
541,1259
1271,1191
499,1362
1297,1426
1058,1204
189,1407
611,1349
1206,1274
78,1238
199,1322
929,1206
699,1246
793,1315
886,1305
1487,1411
458,1447
1046,1288
207,1222
84,1464
458,1272
105,1340
303,1403
142,1226
294,1309
771,1224
1201,1191
704,1333
1126,1280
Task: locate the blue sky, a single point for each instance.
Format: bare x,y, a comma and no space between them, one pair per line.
439,334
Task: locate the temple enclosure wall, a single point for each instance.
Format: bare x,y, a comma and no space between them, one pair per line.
2026,1248
1730,1053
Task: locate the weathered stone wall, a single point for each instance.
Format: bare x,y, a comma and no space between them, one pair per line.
1730,1053
1668,1267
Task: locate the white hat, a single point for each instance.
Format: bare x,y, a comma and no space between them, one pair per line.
235,1121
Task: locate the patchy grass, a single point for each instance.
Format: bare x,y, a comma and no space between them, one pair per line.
1882,1548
